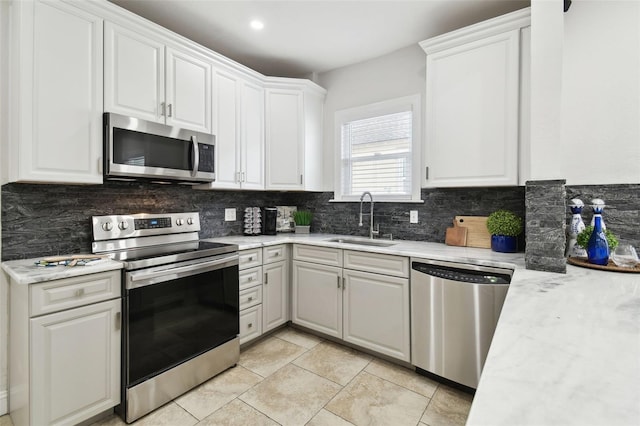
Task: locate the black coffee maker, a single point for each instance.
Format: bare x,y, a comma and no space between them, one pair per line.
269,220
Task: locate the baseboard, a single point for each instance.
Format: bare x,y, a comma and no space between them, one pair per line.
4,407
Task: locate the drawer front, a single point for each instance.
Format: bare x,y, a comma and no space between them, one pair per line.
387,264
250,297
250,258
58,295
250,323
323,255
274,254
250,277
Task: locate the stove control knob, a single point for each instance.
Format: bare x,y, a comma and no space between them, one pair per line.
107,226
179,222
123,225
190,221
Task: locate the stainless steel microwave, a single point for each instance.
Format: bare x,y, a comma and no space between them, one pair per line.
135,148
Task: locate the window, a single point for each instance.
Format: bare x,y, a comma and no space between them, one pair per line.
378,151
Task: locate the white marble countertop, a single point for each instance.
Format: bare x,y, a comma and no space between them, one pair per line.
566,350
26,272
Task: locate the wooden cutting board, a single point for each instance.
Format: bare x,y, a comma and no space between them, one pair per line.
477,233
456,235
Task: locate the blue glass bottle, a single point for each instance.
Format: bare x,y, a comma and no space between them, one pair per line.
598,247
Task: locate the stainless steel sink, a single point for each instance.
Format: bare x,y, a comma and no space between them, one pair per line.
362,242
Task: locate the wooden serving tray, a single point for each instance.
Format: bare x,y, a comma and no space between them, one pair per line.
579,261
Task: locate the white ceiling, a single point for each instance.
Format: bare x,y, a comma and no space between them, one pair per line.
302,37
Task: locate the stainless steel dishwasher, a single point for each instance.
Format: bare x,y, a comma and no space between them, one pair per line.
454,312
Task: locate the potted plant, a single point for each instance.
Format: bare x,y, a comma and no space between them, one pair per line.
302,218
504,227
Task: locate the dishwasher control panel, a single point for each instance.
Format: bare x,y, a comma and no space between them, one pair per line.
476,275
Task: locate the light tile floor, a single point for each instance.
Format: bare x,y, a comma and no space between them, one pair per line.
295,378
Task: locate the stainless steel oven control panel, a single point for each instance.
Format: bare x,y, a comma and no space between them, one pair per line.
143,224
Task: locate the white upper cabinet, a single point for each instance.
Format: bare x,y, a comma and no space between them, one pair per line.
133,74
55,76
145,78
473,103
238,123
294,135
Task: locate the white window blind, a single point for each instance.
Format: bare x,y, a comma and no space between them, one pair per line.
377,155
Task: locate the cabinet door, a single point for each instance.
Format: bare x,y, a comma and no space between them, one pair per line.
188,91
275,291
284,139
252,136
226,113
58,79
75,359
472,117
317,297
376,313
133,74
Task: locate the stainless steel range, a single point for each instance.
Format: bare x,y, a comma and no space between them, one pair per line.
180,305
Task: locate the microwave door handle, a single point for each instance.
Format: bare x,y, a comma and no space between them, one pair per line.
195,156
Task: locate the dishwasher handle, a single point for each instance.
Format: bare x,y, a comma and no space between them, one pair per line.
473,274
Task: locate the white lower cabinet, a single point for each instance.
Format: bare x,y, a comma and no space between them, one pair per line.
264,290
317,297
250,323
65,365
368,309
275,289
376,313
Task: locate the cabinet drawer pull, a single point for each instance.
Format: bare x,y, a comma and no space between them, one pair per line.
250,279
251,259
250,325
266,278
79,292
249,299
338,280
118,320
276,253
344,283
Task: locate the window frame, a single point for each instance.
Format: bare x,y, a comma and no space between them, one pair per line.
406,103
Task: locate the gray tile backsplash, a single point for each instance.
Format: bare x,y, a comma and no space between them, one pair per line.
41,220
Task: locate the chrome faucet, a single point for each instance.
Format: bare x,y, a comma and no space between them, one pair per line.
371,231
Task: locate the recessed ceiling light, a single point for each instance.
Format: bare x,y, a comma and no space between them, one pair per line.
257,25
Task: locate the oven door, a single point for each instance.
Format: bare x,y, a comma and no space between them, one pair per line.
176,312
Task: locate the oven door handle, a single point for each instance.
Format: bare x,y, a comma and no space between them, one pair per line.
151,276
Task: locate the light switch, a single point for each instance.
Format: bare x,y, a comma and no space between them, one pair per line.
413,216
229,215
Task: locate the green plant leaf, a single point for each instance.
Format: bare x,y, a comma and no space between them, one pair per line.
504,222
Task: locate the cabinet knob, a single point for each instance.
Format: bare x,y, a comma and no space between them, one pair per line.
79,292
251,259
249,299
250,279
250,325
107,226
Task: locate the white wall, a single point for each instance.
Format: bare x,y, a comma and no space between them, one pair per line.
4,317
400,73
601,92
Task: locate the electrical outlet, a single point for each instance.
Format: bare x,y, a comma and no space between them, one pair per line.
229,215
413,216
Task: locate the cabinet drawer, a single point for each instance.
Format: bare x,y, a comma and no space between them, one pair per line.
314,254
378,263
274,254
58,295
250,323
250,258
250,297
250,277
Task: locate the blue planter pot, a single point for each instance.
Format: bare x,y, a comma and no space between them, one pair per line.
504,243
